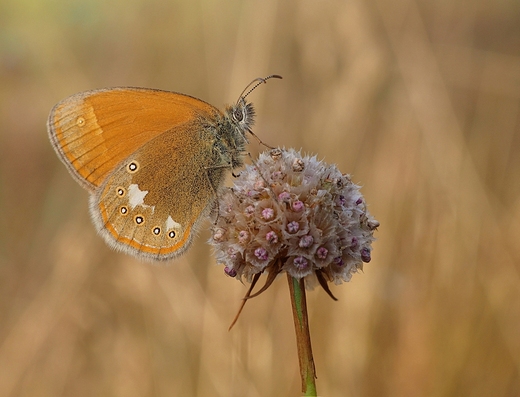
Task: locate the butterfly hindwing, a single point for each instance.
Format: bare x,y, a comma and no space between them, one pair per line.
152,204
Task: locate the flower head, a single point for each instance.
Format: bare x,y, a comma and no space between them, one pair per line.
293,213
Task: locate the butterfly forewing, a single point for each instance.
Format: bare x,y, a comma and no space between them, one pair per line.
94,131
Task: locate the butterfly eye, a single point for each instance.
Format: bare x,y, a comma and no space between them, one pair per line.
238,115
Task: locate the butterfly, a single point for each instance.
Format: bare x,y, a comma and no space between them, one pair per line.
153,161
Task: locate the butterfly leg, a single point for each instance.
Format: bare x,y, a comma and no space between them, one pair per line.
259,140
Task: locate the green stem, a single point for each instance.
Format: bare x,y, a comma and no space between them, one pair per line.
303,337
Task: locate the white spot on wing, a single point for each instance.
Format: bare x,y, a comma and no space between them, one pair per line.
136,195
170,223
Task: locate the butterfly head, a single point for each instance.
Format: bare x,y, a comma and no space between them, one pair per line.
242,115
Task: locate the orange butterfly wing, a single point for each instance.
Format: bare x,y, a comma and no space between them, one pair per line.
94,131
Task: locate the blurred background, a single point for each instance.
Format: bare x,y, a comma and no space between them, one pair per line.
418,100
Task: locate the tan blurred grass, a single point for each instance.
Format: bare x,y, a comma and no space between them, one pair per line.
418,100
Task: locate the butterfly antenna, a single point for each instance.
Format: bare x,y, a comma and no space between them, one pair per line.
256,83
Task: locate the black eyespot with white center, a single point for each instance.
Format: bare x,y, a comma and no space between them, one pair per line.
156,230
171,234
132,167
121,191
139,219
123,210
